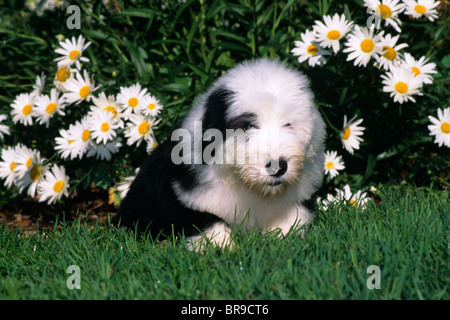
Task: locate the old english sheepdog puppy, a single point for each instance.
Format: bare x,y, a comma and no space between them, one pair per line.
249,155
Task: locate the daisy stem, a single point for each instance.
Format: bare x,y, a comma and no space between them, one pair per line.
328,120
81,180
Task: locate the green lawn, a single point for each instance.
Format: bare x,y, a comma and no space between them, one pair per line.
406,236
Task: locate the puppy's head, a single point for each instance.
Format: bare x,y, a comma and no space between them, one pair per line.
263,125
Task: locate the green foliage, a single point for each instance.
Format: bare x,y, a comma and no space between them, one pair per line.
177,49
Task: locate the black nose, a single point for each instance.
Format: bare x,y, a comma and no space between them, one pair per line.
275,170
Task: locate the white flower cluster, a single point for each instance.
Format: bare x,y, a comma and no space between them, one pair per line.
132,113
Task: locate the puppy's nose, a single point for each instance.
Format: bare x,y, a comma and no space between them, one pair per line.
277,169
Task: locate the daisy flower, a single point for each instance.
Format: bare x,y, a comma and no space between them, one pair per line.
108,104
358,199
4,130
151,145
48,106
72,52
104,151
75,141
22,109
420,67
390,56
32,178
151,106
440,127
362,45
39,85
140,128
387,10
351,134
26,157
422,8
79,88
132,99
334,29
402,84
102,126
54,185
333,163
125,185
62,75
309,49
8,166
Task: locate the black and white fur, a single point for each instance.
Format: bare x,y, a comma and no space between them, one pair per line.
213,199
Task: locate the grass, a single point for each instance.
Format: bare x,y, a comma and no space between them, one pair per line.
406,236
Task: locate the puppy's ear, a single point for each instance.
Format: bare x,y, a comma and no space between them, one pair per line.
216,106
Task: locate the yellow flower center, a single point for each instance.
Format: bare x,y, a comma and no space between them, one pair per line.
27,109
312,49
445,127
367,45
63,74
329,165
29,162
71,141
51,108
416,71
346,134
85,91
58,186
333,35
151,106
133,102
12,166
420,9
104,127
73,54
112,110
85,135
353,203
401,87
35,173
143,127
384,11
389,53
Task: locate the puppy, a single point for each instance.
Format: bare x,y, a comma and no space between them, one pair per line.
249,155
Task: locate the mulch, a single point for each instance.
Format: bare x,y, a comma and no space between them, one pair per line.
87,205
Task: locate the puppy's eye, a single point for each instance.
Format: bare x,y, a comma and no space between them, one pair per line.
247,126
287,125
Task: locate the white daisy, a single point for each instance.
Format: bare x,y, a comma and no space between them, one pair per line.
151,106
109,104
32,178
440,127
22,109
104,151
102,126
351,134
420,67
8,166
39,85
47,106
362,45
387,11
75,141
72,52
151,144
132,99
422,8
402,84
26,157
333,163
54,185
4,130
79,88
309,49
139,129
334,29
62,75
125,185
358,199
390,57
